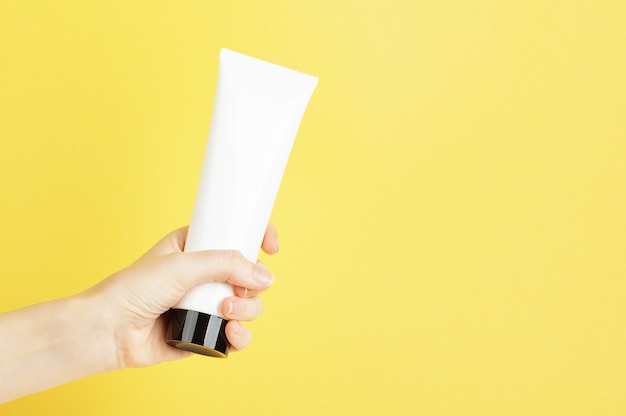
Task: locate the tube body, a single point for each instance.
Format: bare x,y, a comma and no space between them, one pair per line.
257,111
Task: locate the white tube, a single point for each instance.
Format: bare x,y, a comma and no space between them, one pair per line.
257,111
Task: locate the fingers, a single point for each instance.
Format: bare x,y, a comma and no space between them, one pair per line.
228,266
270,240
246,292
238,335
240,309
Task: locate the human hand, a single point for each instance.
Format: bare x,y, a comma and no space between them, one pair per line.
134,302
121,321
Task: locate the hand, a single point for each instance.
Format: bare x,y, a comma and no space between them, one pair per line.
134,301
121,321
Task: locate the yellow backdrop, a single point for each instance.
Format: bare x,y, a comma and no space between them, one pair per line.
452,218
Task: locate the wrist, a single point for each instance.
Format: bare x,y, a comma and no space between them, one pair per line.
89,334
53,343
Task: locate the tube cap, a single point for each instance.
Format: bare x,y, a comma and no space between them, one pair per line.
197,332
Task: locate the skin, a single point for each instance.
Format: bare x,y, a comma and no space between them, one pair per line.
121,321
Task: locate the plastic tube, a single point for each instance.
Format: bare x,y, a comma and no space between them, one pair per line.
257,111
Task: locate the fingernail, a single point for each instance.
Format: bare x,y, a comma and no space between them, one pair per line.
245,291
263,275
230,306
236,324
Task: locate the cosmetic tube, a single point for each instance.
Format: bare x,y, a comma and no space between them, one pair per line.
257,111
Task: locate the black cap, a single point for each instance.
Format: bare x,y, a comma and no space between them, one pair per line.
197,332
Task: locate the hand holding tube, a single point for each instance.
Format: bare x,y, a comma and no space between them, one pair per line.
137,298
121,321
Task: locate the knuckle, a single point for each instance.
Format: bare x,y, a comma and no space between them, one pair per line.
229,258
231,261
178,260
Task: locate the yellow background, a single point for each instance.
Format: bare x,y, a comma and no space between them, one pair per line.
452,218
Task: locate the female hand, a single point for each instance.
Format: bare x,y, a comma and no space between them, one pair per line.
121,321
135,301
